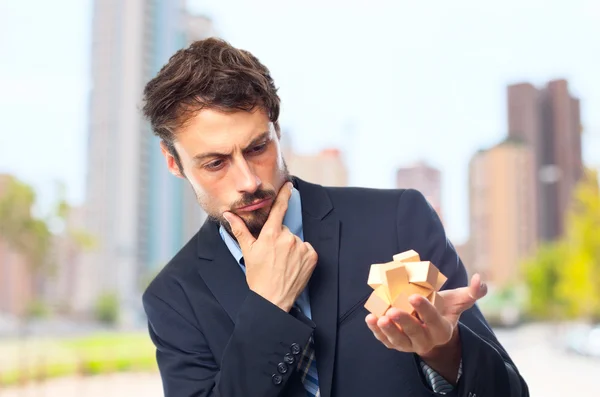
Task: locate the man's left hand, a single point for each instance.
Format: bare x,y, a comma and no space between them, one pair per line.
399,330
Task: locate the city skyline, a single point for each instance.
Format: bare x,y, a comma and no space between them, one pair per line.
459,106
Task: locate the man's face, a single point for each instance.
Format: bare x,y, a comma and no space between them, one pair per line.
233,162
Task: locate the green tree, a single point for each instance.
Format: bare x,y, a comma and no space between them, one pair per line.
31,235
579,281
19,228
563,277
59,216
107,308
542,277
37,309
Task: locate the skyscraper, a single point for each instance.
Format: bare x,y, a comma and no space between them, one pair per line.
173,213
502,211
133,206
548,120
424,178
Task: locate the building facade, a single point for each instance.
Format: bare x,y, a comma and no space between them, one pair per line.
503,228
548,119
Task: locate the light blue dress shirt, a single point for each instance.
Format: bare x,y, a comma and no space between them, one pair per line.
293,221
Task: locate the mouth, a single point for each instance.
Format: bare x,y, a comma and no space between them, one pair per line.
255,206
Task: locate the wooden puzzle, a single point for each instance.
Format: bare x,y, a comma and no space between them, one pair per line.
394,282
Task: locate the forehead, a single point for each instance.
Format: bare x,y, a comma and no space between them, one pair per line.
213,130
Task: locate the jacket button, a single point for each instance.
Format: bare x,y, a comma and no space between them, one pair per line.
289,359
282,368
277,379
295,349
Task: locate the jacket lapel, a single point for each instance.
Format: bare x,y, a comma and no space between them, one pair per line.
321,229
220,271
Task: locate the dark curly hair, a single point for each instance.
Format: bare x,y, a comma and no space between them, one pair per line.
210,73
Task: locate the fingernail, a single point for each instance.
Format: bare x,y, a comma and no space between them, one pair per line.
225,216
414,299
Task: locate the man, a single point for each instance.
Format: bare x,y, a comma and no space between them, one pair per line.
268,298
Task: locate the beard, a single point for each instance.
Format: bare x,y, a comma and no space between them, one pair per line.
254,220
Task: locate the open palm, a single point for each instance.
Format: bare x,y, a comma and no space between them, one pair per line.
399,330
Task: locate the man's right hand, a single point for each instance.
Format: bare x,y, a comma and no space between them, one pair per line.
278,263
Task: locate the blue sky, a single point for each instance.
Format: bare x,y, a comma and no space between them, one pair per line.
416,80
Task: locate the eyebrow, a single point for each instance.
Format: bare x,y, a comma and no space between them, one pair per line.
203,156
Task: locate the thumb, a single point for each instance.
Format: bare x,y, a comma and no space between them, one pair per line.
460,299
477,288
239,230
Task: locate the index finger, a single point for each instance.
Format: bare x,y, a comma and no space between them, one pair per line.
438,328
280,206
426,311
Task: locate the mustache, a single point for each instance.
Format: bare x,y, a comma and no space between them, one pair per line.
249,198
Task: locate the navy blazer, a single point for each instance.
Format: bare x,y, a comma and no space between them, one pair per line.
215,337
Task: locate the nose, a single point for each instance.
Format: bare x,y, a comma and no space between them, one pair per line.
245,178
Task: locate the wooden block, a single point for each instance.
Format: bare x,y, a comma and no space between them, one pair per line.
396,279
376,275
415,289
407,256
441,279
378,302
400,301
423,274
383,293
436,300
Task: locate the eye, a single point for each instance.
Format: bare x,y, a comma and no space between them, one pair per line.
258,149
215,165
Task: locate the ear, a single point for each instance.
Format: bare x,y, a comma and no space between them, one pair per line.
171,163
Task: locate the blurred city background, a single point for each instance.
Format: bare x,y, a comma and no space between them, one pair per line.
491,110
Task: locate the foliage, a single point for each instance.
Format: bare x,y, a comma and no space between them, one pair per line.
32,236
564,276
19,228
542,275
94,354
107,308
579,280
37,309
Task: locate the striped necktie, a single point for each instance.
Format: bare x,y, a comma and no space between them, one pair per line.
307,366
437,382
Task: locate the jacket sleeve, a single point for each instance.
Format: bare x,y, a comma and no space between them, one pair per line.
262,337
487,369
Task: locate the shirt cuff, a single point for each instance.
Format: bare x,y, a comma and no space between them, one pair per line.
438,384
